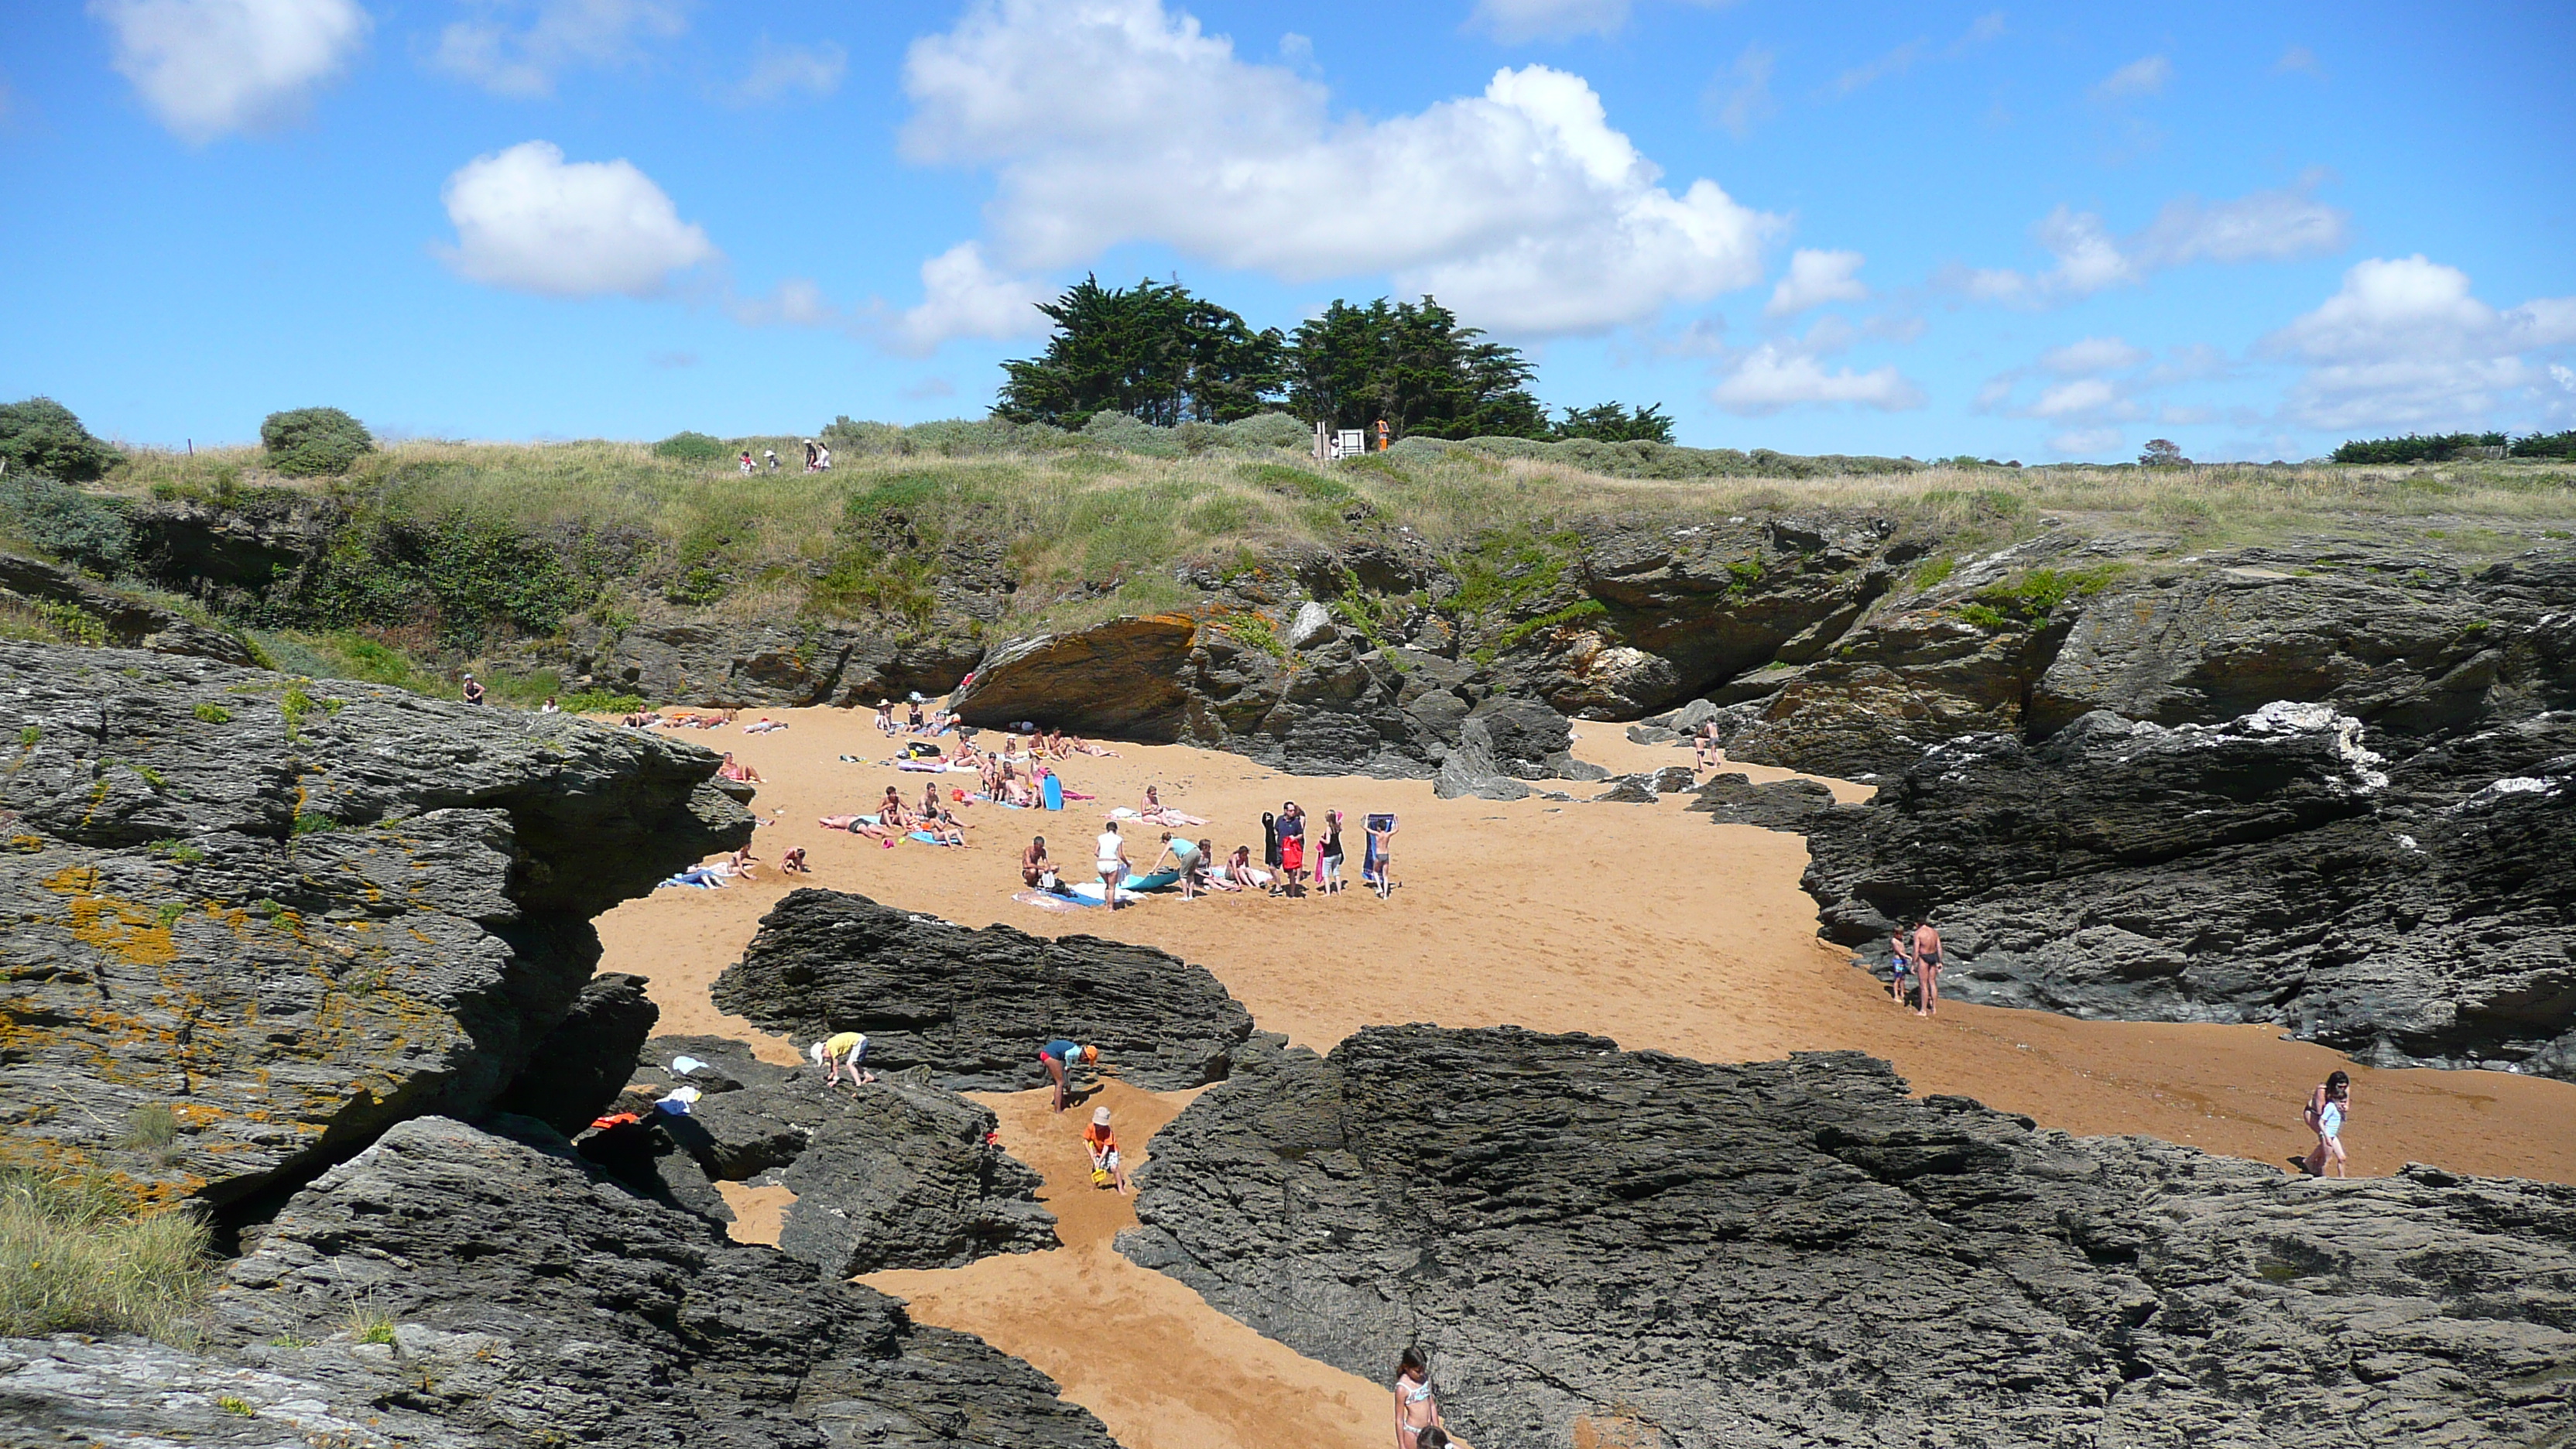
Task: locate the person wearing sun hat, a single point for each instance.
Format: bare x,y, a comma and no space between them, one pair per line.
1059,1057
1102,1142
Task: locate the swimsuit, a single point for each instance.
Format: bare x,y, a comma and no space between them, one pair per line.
1414,1395
2330,1121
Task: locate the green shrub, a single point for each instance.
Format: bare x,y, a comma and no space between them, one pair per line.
370,1324
213,714
75,1258
599,701
2416,448
1934,573
1254,630
75,624
81,528
1513,636
2544,445
685,447
40,435
1984,616
314,442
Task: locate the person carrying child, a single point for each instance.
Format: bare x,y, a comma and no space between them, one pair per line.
1102,1142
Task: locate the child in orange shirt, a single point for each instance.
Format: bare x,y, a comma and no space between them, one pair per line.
1103,1143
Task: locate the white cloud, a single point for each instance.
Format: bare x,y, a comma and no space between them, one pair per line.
522,60
2092,356
1815,278
2274,225
1775,376
777,70
2145,76
2405,344
1514,21
530,221
1739,99
1118,121
2093,441
208,67
1904,57
2081,398
963,296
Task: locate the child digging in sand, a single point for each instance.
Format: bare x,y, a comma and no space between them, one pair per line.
1102,1140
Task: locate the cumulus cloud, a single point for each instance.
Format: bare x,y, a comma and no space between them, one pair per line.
1815,278
2093,384
1739,99
963,296
530,221
1905,57
505,57
778,71
2091,357
210,67
2274,225
2086,441
1119,121
2146,76
1772,377
2404,343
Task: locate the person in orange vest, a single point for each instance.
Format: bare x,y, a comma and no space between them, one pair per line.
1381,435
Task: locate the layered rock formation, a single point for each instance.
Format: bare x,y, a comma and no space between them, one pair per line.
119,617
1733,799
455,1286
258,920
896,1174
973,1007
2270,869
1798,1253
749,665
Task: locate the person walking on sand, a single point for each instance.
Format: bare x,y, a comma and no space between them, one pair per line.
1927,968
1102,1141
1111,859
843,1051
1704,744
1059,1057
1898,943
2328,1105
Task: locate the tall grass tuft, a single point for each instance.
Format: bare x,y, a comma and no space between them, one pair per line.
76,1258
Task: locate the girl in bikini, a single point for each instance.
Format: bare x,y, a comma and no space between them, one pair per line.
1416,1408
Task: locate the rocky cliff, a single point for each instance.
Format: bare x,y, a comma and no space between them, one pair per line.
1636,1248
972,1007
258,920
463,1286
2273,868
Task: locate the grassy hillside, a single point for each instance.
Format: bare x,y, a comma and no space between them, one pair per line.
442,548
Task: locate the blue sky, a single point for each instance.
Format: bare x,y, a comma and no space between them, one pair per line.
2029,233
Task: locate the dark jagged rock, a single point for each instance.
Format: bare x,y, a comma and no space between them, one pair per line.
1733,799
126,620
735,663
580,1066
1800,1254
1501,743
1627,790
2408,645
889,1175
2271,869
534,1299
974,1006
899,1176
291,913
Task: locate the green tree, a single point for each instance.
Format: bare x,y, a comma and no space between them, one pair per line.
1416,368
688,447
1153,351
2162,453
311,442
1611,423
40,435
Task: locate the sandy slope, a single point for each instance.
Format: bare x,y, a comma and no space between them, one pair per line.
1642,923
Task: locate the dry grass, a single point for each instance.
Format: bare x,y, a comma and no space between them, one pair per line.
1095,531
75,1258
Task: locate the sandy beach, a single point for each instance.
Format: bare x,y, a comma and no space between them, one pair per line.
1643,923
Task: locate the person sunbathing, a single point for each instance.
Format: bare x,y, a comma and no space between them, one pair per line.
885,716
1243,873
1157,813
765,726
735,770
841,822
943,827
930,800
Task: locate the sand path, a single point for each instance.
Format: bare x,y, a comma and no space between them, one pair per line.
1639,922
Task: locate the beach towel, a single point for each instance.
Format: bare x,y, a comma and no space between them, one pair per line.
1269,840
926,838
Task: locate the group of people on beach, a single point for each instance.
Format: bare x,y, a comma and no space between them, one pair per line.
1286,866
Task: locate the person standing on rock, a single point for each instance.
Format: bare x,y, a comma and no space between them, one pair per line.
473,691
1927,968
1111,860
1058,1057
2327,1107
